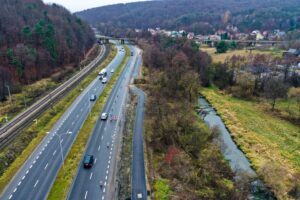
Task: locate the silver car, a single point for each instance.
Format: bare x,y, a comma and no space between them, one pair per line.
104,116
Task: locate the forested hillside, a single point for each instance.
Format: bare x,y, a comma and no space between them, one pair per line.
199,16
37,40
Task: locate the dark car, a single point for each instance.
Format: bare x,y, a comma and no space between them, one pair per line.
88,161
93,97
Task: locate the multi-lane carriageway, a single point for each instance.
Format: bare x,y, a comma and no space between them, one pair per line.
36,176
104,143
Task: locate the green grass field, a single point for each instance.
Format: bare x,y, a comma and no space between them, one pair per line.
271,144
239,52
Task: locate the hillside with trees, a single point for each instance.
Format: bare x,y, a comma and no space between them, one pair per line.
199,16
37,40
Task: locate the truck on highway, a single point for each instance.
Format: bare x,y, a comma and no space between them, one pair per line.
102,73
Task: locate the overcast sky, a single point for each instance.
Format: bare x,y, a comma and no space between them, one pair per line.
78,5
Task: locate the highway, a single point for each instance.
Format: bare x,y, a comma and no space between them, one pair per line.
35,178
138,179
10,130
104,143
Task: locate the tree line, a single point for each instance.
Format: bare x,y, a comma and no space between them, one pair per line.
198,16
257,76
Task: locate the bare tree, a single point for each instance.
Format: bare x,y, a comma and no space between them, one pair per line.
274,89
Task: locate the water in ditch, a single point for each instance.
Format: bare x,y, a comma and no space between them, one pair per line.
237,160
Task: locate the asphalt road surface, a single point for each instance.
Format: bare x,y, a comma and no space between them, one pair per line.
104,144
36,176
138,179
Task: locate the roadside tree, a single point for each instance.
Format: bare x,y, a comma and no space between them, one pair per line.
222,47
274,89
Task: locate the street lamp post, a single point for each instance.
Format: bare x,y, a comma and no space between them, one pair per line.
90,106
61,151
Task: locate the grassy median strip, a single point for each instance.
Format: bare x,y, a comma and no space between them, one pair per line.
45,123
66,175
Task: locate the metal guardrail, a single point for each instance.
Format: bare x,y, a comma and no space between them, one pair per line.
10,130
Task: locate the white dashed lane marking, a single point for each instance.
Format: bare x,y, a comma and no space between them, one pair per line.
86,192
46,166
36,183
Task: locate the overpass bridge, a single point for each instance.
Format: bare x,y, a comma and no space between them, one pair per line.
105,39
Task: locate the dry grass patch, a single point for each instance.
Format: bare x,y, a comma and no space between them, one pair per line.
240,52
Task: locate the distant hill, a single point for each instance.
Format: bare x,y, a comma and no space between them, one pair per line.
37,40
199,16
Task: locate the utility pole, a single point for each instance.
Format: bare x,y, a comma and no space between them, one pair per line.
6,85
25,102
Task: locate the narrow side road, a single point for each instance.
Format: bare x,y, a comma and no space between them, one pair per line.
138,182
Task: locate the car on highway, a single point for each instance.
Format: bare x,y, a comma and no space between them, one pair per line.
131,53
88,161
139,196
104,80
104,116
102,73
93,97
112,71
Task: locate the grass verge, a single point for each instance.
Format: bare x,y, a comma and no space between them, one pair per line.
65,176
125,170
33,135
162,189
270,143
